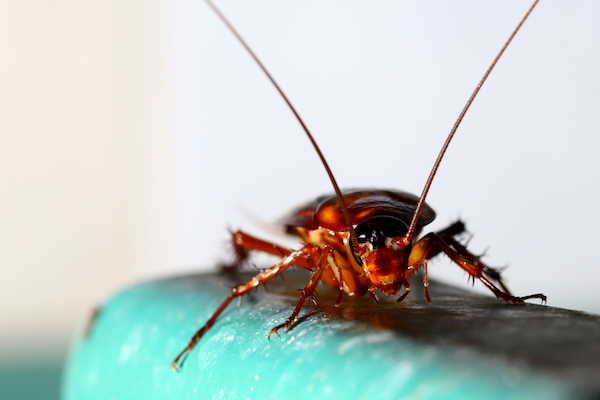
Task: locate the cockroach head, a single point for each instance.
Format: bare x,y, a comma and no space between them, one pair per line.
384,261
380,230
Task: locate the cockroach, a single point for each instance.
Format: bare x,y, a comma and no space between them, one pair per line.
361,240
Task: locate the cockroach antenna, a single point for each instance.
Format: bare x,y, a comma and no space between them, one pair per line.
338,192
361,240
413,223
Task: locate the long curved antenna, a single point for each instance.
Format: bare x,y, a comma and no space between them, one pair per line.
338,192
405,241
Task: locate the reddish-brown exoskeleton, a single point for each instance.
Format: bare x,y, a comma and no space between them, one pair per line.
361,240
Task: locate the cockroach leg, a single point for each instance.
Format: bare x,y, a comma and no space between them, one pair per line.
243,289
336,267
454,229
373,295
244,243
436,244
340,298
447,234
241,256
407,286
306,292
423,250
489,272
426,283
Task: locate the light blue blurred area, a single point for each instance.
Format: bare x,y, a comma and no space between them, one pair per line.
31,380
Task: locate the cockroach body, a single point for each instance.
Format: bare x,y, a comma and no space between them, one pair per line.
378,216
361,240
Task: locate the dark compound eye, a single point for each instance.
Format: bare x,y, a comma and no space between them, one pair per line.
377,229
391,227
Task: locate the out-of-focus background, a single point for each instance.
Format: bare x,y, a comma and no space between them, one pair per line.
133,134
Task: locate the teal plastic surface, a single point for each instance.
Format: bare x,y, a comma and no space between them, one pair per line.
330,354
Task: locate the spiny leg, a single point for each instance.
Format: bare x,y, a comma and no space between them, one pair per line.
491,273
243,289
421,253
454,229
240,258
433,244
306,292
414,267
244,243
407,286
448,235
373,295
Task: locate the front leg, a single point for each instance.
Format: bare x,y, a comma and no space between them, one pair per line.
433,244
245,288
306,292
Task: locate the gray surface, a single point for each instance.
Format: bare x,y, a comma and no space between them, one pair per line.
562,344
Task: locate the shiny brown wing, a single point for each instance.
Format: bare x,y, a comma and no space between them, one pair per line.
303,216
362,204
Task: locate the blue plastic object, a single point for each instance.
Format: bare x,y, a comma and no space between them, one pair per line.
359,351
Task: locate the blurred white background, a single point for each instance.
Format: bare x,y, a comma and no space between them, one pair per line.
133,134
82,105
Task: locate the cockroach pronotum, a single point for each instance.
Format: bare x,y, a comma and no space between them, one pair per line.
361,240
